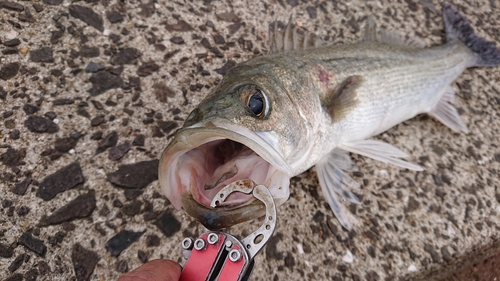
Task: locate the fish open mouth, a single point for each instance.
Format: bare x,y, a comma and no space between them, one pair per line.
200,161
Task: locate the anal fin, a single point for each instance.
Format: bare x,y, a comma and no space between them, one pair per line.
334,181
380,151
447,114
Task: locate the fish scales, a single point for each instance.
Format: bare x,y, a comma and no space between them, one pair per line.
306,105
394,78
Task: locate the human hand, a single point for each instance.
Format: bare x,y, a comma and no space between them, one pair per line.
155,270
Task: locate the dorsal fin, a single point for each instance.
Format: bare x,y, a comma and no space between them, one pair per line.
283,38
389,37
392,37
370,31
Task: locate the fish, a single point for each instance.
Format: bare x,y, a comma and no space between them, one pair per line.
307,104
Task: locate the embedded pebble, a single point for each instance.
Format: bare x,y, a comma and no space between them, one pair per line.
137,175
122,266
18,261
38,124
143,256
65,144
312,12
6,251
226,67
84,262
60,181
131,194
167,126
132,208
122,241
114,16
34,244
31,275
348,257
20,188
87,15
11,6
15,277
9,70
181,26
413,204
108,141
125,56
228,16
12,43
168,224
23,211
153,240
44,54
80,207
30,109
103,81
139,140
117,152
300,249
233,28
147,69
12,157
43,268
434,254
163,92
177,40
52,2
89,52
93,67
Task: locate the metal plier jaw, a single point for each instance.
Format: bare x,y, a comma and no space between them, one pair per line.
221,256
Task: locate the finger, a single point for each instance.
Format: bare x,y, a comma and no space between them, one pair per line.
155,270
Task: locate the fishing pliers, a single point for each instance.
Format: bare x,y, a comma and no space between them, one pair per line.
221,256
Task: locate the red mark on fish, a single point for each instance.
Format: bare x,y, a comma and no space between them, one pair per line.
325,76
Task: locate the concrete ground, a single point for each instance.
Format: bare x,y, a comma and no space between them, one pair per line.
89,86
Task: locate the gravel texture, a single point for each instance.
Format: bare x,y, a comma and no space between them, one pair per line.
92,91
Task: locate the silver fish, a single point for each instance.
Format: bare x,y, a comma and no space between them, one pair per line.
304,105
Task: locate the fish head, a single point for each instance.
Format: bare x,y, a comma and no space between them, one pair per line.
242,130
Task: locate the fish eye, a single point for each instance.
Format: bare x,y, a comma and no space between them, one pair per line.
256,104
255,100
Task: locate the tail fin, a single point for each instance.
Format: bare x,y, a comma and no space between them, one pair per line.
457,27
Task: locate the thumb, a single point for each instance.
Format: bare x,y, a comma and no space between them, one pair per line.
155,270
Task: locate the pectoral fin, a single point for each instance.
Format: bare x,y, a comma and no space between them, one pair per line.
334,181
343,98
380,151
447,114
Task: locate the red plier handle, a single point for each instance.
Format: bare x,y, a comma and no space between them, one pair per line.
221,256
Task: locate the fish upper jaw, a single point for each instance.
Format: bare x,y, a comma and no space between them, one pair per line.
204,158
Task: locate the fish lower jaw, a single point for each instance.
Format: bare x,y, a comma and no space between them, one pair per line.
222,216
